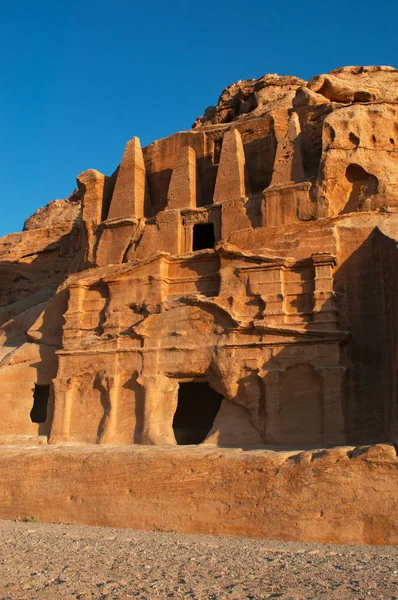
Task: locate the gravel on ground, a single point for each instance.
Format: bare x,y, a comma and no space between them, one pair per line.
43,561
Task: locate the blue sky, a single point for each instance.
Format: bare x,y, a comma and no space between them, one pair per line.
78,79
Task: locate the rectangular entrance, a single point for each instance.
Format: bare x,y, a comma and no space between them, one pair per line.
198,405
203,236
41,394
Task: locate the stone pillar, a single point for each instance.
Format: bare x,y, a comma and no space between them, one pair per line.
333,416
72,329
324,311
131,194
111,315
288,166
111,387
160,404
231,176
64,392
187,239
272,383
184,188
275,299
92,186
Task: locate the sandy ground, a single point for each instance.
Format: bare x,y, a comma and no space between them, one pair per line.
41,561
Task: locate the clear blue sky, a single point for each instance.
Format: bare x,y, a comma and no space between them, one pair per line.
78,79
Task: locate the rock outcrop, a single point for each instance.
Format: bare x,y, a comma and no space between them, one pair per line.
357,84
56,212
252,97
342,495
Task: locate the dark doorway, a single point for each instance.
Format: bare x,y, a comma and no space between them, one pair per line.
198,405
203,236
38,414
217,145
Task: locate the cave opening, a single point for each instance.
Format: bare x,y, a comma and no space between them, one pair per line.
41,394
198,405
364,185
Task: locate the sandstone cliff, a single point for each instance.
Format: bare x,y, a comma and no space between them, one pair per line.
273,220
234,285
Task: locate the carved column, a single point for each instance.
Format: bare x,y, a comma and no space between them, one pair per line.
187,239
94,189
333,416
72,329
64,392
272,383
160,403
108,383
324,311
275,301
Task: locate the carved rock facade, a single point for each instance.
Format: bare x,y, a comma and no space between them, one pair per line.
231,285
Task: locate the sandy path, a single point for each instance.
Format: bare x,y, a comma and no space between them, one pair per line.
41,561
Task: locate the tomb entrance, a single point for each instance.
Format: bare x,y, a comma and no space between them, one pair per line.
198,405
203,236
41,394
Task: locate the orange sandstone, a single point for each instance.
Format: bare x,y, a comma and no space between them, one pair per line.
230,286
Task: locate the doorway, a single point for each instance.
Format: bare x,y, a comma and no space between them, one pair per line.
203,236
198,405
41,394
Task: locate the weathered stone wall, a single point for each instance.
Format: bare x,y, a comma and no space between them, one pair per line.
344,495
32,265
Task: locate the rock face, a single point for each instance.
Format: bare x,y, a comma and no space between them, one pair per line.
232,285
357,84
253,97
341,495
56,212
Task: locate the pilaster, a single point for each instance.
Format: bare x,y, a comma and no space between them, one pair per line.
333,416
324,311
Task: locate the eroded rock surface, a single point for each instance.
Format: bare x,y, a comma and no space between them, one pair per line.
339,495
252,96
358,84
55,213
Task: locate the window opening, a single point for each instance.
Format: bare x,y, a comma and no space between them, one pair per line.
203,236
41,394
217,145
198,405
